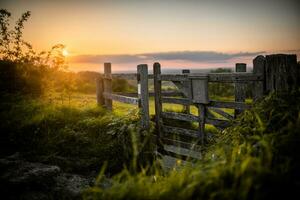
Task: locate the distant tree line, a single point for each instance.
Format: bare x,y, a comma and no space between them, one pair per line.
226,89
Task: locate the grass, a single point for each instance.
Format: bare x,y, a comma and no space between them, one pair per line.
77,138
257,158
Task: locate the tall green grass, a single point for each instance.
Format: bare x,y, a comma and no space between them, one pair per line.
257,158
78,139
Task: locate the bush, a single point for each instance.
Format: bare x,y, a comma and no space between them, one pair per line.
21,78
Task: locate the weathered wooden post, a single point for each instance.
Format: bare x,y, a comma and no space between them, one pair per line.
99,91
187,87
259,87
240,94
199,86
107,80
143,94
282,73
157,100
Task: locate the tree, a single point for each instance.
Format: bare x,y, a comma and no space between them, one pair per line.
21,67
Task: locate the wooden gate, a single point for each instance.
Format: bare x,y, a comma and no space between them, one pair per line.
273,73
194,88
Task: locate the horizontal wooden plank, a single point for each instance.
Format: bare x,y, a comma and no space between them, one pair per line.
124,99
218,122
214,77
187,145
129,76
213,104
234,77
232,105
180,131
180,116
192,118
169,94
172,77
222,113
151,94
181,101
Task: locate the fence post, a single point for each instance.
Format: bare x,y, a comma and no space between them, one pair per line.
282,73
259,86
143,95
239,88
107,79
187,86
157,99
202,113
99,91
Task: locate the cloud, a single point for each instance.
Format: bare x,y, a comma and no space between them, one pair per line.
191,56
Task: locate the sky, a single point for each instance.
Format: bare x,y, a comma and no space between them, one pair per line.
176,33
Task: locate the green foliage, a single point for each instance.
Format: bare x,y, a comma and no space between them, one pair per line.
22,70
221,89
76,139
122,85
255,159
221,70
226,89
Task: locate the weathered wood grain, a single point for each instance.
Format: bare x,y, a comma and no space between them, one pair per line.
232,105
201,120
120,98
199,86
180,116
281,73
188,88
218,122
129,76
239,88
157,99
222,113
259,87
143,95
216,77
181,101
99,91
180,131
107,84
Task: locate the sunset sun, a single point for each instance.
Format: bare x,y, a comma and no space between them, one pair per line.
65,52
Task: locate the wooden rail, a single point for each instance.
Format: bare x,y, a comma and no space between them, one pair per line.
124,99
215,77
132,76
216,104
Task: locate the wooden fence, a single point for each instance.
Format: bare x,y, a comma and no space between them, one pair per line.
277,73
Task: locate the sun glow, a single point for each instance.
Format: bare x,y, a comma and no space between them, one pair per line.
65,52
